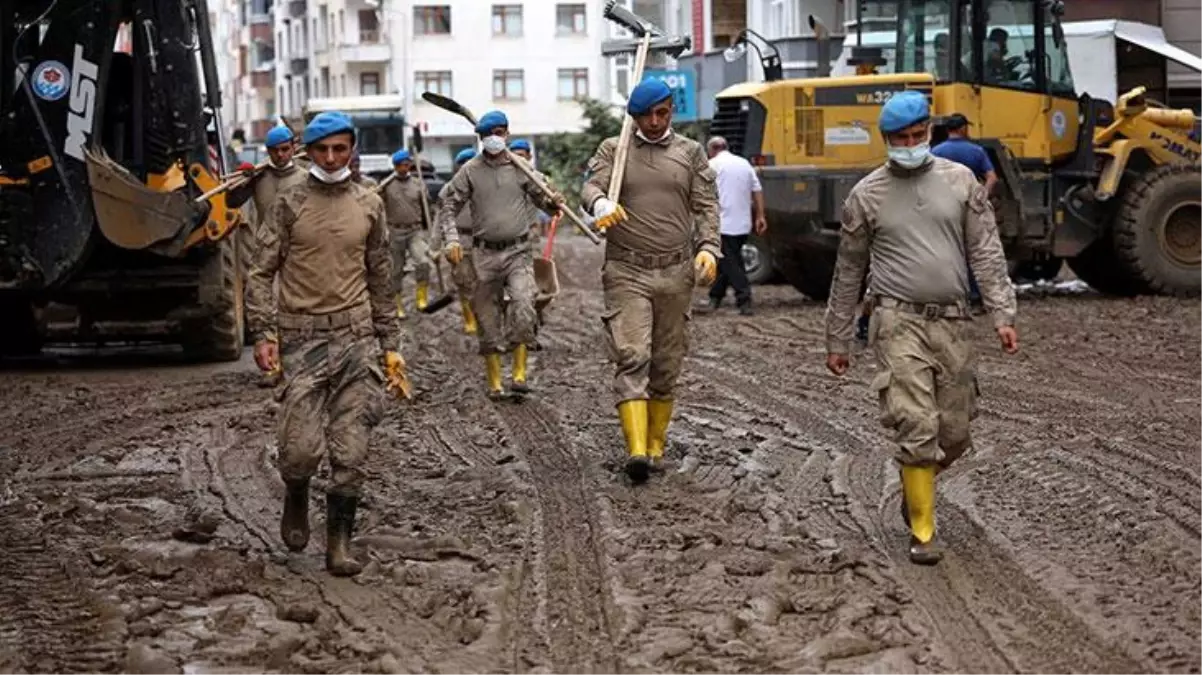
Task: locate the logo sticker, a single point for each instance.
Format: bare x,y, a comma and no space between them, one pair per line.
1059,124
51,80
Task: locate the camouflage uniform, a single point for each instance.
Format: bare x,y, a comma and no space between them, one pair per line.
926,382
648,277
463,274
263,189
499,196
329,246
402,203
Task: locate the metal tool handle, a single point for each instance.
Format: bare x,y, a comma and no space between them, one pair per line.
239,179
618,172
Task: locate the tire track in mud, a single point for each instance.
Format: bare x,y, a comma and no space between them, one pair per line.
576,610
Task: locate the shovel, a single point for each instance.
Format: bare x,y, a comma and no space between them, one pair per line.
545,276
445,298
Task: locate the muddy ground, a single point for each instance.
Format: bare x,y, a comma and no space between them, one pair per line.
139,507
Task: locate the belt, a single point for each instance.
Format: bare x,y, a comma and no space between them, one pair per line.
355,316
927,310
500,245
648,260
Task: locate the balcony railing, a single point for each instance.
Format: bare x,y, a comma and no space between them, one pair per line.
369,36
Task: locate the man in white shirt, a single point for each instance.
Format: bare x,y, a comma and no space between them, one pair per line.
738,190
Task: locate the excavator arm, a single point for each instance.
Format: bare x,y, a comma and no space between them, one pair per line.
105,133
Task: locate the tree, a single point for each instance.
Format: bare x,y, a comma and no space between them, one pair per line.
564,156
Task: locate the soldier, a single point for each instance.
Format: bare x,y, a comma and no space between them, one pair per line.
333,324
282,172
912,222
500,197
463,274
403,203
654,254
358,176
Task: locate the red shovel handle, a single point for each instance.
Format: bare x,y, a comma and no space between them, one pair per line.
551,236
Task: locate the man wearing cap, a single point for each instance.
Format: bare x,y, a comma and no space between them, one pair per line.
463,274
501,198
660,241
357,174
913,222
333,324
959,149
403,204
281,172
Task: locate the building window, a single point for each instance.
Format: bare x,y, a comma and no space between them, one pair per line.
507,20
436,81
508,85
573,83
432,20
369,27
369,84
569,20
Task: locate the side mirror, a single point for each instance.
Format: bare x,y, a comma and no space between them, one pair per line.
735,52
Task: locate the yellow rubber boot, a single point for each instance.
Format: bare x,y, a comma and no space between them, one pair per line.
659,416
469,317
633,415
918,490
400,307
492,366
423,295
520,354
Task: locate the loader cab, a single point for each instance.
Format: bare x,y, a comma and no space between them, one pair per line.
1002,63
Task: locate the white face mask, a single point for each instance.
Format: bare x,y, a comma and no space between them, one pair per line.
326,177
281,167
911,157
640,134
493,145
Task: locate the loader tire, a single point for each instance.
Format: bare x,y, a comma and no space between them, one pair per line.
1158,231
223,335
21,336
1098,265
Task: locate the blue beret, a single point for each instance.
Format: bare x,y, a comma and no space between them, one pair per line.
520,144
491,120
464,155
647,94
400,156
327,124
903,110
278,136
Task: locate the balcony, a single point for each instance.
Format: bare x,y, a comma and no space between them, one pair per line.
297,8
262,79
298,66
370,49
258,19
261,32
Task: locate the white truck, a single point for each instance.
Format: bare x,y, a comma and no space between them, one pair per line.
379,124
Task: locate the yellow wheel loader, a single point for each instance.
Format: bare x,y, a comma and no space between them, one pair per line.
105,107
1112,189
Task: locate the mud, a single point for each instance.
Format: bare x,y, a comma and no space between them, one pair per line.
139,511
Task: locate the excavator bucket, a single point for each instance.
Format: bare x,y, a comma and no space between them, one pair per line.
130,214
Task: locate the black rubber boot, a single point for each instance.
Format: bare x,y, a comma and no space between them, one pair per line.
340,522
294,525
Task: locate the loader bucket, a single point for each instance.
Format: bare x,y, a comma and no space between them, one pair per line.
130,214
546,279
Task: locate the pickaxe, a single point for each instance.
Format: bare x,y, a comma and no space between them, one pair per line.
451,105
648,33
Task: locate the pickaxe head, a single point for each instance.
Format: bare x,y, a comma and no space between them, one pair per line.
629,20
673,46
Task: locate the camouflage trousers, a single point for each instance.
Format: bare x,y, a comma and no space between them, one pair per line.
332,398
500,273
409,245
926,384
464,274
647,312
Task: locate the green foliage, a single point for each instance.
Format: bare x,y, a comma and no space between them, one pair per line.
564,157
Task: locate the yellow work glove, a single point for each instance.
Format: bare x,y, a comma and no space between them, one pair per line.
705,266
454,254
394,375
608,214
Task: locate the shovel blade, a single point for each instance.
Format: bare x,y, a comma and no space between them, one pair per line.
130,214
440,303
546,279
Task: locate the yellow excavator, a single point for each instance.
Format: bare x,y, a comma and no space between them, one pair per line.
1114,190
111,228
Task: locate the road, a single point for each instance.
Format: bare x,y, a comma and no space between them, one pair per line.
139,512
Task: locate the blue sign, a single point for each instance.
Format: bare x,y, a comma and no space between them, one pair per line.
684,92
